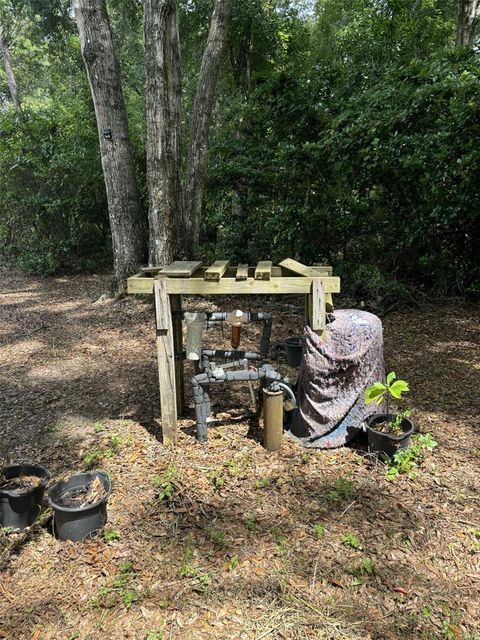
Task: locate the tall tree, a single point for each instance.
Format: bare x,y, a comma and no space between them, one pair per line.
200,124
175,209
7,62
124,206
468,17
165,191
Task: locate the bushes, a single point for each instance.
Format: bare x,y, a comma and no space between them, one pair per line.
53,211
381,181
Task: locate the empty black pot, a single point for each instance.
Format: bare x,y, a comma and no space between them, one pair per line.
386,443
79,523
18,511
294,350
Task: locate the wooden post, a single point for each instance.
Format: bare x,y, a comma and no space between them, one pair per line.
176,307
166,362
272,419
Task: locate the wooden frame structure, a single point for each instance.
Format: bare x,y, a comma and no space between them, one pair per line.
169,283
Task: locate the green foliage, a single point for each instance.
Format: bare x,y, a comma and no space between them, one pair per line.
343,489
166,483
351,540
378,392
406,460
318,531
111,535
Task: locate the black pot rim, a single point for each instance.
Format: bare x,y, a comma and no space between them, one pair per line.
386,416
295,341
87,507
41,473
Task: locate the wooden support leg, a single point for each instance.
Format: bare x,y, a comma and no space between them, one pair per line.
166,362
317,308
176,306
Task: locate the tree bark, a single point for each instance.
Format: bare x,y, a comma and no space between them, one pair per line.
200,124
163,107
12,84
124,206
468,17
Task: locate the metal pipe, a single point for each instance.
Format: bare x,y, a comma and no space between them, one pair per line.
272,419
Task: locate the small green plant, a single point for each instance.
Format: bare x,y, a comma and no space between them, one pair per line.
351,540
121,590
252,523
187,570
110,535
92,458
232,563
305,458
366,567
217,537
318,531
154,635
218,480
204,579
342,490
115,442
426,613
406,460
98,427
476,533
262,483
165,483
379,392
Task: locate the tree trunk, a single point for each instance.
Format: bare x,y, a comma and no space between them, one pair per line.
165,191
200,124
12,85
124,206
468,17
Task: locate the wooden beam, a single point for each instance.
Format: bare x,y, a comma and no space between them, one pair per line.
216,271
180,269
166,362
242,272
302,270
294,285
318,306
263,270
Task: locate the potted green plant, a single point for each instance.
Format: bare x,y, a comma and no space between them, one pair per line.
389,431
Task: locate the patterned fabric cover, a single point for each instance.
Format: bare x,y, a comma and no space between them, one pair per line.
333,377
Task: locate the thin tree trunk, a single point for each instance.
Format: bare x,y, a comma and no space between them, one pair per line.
12,84
165,191
124,206
468,17
200,124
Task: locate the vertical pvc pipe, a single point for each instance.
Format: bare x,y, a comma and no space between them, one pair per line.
272,419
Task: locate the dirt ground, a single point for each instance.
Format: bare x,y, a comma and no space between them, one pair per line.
226,540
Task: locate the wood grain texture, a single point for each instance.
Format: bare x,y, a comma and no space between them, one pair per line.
216,271
242,272
318,306
180,268
263,270
166,362
303,270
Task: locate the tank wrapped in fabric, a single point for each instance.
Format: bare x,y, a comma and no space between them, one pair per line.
332,378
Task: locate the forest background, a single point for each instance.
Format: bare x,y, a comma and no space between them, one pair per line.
344,133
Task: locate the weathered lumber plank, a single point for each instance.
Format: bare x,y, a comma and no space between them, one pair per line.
166,362
242,272
216,271
318,306
176,306
300,285
263,270
180,268
302,269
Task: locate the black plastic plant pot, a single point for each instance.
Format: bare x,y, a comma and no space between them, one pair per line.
20,510
84,522
294,350
386,443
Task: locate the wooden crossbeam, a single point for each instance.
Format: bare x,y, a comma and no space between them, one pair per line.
242,272
302,269
216,271
263,270
180,269
300,285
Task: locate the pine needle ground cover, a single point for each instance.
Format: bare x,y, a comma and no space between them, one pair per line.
227,540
